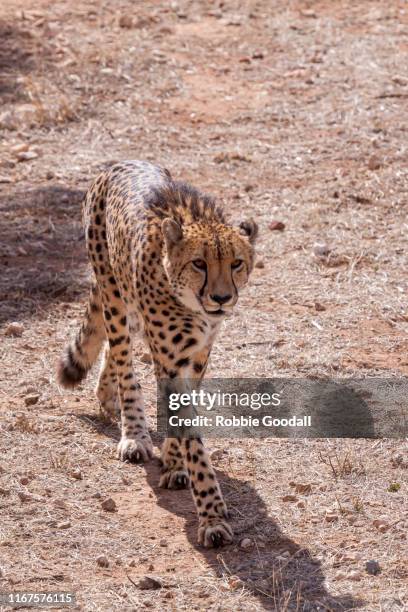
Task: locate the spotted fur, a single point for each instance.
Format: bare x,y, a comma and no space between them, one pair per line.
167,264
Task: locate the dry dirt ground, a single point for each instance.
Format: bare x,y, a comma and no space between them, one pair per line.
285,110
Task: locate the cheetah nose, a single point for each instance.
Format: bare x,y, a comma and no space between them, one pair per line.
221,299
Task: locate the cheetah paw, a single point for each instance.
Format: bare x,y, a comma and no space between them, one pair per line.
136,450
214,532
173,478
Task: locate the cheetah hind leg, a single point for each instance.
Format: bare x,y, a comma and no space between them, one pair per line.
174,474
107,391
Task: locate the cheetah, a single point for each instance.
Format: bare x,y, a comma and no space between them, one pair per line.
167,265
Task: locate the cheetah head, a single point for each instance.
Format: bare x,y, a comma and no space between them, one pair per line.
207,263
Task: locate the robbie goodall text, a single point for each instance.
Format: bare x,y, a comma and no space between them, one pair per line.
250,407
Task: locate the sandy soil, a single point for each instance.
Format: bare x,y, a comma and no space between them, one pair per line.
288,111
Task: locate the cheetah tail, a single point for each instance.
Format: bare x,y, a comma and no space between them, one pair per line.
82,353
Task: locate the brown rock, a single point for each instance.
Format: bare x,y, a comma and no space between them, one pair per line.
109,505
374,163
77,474
125,21
276,226
217,454
102,561
30,400
289,498
331,517
147,584
14,329
381,525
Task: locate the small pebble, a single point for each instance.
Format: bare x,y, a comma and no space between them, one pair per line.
289,498
14,329
27,155
125,21
321,250
77,474
372,567
246,543
109,505
147,583
102,561
30,400
260,264
382,526
331,518
217,454
277,226
374,163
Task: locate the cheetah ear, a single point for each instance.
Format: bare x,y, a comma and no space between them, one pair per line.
172,232
250,229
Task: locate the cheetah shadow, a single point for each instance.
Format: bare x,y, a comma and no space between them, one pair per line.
279,572
41,249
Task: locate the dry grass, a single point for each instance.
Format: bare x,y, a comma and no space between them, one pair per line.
294,112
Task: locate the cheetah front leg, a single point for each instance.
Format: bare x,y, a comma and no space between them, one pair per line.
213,527
187,460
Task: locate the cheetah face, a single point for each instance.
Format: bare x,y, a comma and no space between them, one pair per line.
206,265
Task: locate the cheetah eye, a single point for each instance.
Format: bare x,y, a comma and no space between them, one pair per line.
237,264
199,264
